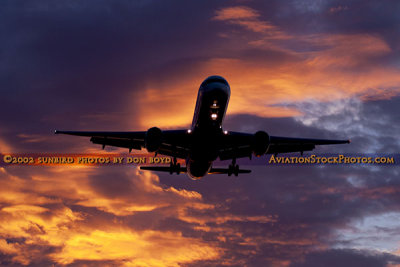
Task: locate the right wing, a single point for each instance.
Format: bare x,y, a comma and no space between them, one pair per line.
175,142
239,145
281,144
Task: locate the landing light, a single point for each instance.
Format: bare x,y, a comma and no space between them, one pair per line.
189,131
225,132
214,116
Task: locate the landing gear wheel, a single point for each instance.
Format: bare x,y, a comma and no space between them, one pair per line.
230,169
236,170
174,167
233,168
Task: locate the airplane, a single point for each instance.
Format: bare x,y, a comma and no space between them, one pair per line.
206,140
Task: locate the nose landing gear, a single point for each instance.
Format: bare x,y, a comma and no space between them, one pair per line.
233,168
175,167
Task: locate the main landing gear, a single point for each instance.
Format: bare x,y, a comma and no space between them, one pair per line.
175,167
233,168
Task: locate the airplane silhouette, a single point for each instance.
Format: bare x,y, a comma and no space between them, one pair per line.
206,140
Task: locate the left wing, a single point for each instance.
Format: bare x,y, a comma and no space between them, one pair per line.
174,143
238,145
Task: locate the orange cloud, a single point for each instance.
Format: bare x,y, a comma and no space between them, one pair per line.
236,12
35,210
5,147
147,248
340,68
247,18
40,210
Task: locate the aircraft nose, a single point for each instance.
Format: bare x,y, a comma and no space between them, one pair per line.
216,85
218,89
213,79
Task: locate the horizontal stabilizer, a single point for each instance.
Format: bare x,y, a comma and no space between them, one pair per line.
225,171
183,170
163,169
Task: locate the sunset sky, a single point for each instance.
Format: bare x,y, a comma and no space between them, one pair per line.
300,68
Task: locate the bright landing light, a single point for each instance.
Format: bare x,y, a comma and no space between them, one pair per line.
214,116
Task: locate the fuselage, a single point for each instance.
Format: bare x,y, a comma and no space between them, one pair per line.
206,130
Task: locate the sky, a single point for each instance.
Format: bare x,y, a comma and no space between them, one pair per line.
300,68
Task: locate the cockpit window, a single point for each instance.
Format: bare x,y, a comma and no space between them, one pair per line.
213,79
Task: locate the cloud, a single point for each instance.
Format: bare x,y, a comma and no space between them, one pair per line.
4,147
247,18
310,67
113,215
147,248
236,12
373,231
338,9
367,124
348,258
53,219
295,69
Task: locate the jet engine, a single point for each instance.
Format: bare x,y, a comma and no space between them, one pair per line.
260,143
153,139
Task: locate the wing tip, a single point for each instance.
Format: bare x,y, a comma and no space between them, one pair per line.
56,132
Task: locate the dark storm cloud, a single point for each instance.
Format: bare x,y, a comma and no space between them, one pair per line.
348,258
275,126
75,62
307,16
371,125
309,206
39,255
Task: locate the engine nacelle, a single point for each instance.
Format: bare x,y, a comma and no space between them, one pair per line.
260,143
153,139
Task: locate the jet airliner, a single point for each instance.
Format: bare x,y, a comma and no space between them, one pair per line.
206,140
